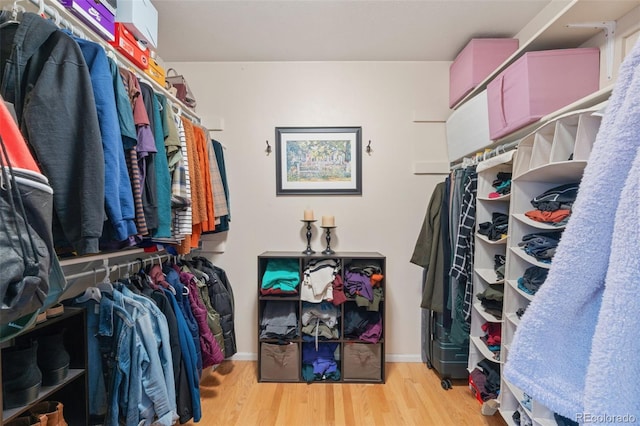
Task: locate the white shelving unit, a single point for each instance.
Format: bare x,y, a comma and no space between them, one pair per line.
484,259
551,152
541,163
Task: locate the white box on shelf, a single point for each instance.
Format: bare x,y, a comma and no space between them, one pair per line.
468,128
141,18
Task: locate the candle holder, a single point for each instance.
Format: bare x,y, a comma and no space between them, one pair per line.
308,251
328,250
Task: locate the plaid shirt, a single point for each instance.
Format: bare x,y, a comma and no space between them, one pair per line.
462,266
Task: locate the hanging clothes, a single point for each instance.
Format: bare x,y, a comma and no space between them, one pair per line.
223,226
161,178
428,253
117,190
46,79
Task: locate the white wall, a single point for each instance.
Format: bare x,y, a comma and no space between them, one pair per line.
254,98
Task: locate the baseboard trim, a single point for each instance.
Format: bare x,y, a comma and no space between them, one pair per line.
403,358
245,356
252,356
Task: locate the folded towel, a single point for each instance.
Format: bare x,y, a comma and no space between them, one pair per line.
551,349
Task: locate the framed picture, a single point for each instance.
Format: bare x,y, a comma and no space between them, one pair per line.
318,160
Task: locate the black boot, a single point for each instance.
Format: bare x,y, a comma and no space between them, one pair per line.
21,377
53,358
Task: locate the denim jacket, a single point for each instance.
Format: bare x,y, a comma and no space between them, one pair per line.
152,398
117,344
162,341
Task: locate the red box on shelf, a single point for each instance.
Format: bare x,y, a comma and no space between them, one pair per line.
129,46
475,391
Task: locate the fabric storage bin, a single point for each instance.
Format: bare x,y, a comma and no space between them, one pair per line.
475,62
100,17
362,361
539,83
279,362
468,128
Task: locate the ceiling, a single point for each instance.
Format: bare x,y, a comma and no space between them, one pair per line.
330,30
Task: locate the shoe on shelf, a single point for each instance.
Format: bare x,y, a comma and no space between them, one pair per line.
53,358
21,377
52,410
28,420
55,310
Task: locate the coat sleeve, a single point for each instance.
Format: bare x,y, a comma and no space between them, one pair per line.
61,123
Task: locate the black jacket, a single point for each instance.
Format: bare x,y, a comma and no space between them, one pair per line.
221,296
44,75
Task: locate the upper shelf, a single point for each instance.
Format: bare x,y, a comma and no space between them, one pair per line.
556,34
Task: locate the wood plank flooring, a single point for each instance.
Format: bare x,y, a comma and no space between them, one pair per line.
412,395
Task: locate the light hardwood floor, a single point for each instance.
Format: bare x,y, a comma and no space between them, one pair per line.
412,395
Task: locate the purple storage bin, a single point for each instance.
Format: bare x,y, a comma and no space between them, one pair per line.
479,58
539,83
95,14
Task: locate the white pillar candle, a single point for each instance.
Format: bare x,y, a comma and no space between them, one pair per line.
328,221
308,215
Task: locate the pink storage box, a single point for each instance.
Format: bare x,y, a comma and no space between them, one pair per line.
479,58
99,15
539,83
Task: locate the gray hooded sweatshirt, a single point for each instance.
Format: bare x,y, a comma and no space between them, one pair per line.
44,75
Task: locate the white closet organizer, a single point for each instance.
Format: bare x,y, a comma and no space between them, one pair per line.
542,162
560,25
484,256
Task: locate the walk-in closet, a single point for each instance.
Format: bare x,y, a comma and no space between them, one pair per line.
319,212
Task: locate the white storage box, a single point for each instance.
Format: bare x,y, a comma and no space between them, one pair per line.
468,128
141,18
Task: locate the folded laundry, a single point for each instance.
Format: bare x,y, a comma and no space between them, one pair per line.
558,217
502,183
559,197
497,228
532,279
541,245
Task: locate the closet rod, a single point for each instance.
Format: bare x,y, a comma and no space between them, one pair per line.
500,149
64,18
107,268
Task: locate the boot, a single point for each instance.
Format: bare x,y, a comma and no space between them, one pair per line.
28,421
52,410
53,358
21,377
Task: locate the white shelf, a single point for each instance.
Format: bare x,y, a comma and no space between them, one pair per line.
484,350
505,197
507,416
485,239
514,285
530,259
535,224
560,172
489,276
519,396
484,314
514,319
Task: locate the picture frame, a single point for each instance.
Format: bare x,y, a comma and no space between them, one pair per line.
318,160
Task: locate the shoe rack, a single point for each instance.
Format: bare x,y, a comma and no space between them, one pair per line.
72,391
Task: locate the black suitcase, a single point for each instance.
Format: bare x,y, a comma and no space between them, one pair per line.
448,359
